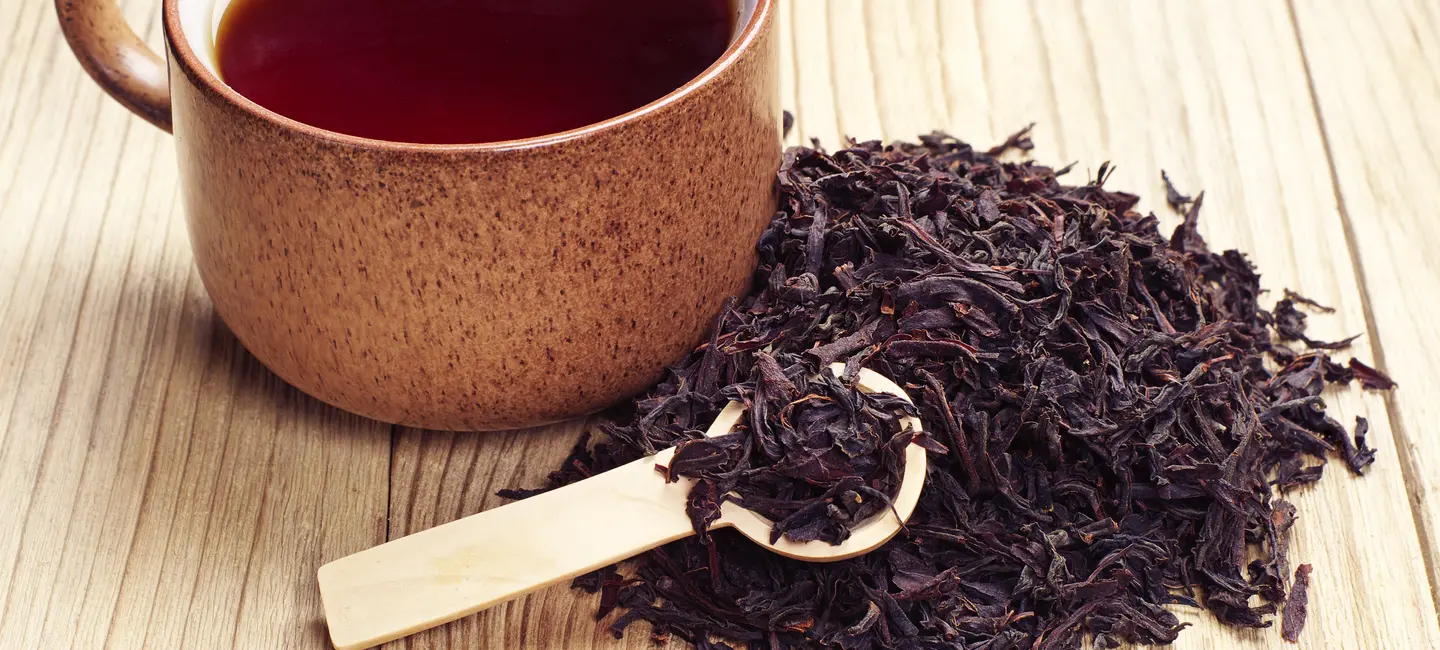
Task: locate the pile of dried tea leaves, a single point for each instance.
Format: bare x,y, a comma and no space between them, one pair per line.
1114,417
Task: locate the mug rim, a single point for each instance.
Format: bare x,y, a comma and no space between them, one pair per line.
189,61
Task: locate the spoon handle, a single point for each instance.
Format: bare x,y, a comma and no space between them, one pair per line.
462,567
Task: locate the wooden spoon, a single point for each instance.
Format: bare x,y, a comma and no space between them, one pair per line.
450,571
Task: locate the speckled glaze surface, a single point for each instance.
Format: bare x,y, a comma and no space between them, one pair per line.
480,287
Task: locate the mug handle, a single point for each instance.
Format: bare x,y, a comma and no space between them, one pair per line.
117,58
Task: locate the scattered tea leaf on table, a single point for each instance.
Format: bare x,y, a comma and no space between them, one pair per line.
1296,605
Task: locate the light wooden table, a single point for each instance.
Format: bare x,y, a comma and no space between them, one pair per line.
160,489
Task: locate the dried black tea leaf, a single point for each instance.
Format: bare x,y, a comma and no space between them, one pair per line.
1302,300
1114,415
1290,324
1296,605
1018,141
1370,377
1173,197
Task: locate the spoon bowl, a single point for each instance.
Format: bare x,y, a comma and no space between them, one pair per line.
864,538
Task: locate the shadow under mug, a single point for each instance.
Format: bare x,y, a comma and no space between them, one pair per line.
480,287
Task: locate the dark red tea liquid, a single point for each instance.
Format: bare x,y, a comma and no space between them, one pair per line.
465,71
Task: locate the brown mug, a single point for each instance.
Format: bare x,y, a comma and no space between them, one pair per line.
482,286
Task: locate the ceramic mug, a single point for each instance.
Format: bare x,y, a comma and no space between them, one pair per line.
481,286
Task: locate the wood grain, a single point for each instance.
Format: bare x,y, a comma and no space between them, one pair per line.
158,488
1376,82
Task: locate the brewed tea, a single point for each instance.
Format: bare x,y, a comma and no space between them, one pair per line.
465,71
